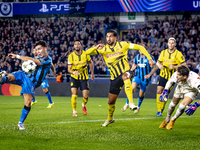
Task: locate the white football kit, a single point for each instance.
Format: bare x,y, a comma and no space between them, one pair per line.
190,88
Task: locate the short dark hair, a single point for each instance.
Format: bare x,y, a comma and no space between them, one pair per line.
77,41
183,70
112,31
41,42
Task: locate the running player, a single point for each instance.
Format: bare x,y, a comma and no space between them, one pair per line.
29,82
77,67
115,56
188,83
141,64
44,84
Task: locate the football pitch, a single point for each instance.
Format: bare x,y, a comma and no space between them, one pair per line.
56,129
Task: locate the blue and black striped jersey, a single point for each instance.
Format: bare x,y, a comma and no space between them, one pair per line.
143,67
41,71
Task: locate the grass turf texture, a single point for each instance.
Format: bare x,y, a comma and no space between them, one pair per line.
55,128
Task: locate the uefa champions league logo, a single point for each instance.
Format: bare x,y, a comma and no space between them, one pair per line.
6,8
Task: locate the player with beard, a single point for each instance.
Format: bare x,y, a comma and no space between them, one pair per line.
77,67
115,56
44,84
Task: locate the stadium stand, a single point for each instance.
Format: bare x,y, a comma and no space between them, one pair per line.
19,36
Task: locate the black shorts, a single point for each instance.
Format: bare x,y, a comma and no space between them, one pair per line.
162,82
83,84
116,85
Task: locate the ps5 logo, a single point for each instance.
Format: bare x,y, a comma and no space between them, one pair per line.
54,7
196,4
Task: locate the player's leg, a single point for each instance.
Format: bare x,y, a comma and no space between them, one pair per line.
143,86
115,88
128,89
25,110
84,86
6,79
111,109
186,101
48,94
74,100
74,90
171,109
33,101
45,86
85,100
140,100
159,105
134,85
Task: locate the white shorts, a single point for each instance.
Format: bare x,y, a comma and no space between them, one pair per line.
192,95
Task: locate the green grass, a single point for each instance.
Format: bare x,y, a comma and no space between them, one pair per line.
55,128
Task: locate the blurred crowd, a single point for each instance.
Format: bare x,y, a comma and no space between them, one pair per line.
20,36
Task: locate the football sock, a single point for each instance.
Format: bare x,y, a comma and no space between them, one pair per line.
33,100
140,100
128,90
163,105
171,109
25,112
5,80
158,102
85,101
74,102
111,109
179,111
48,94
127,101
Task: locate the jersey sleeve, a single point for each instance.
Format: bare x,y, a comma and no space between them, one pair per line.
46,61
140,48
181,58
88,57
70,62
161,58
170,82
94,51
195,82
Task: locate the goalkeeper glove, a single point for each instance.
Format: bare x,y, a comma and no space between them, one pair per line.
192,109
163,96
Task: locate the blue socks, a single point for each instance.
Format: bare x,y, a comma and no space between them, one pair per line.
33,100
140,101
127,101
25,112
48,94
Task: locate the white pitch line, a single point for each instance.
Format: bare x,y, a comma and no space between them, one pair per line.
65,122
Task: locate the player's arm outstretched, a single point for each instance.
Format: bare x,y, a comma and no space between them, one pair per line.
94,50
143,50
24,58
192,108
163,96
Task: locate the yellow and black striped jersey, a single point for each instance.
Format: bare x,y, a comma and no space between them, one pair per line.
116,56
166,58
79,63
